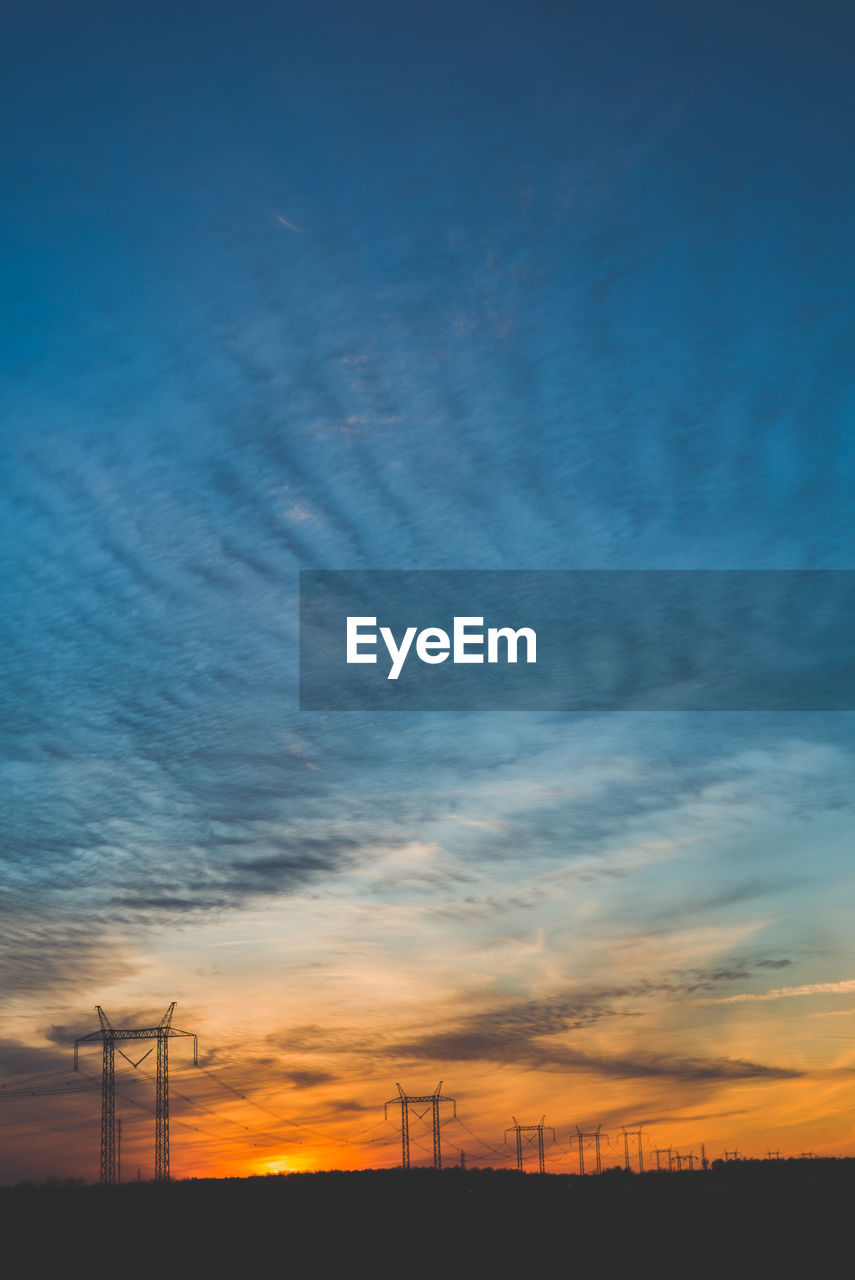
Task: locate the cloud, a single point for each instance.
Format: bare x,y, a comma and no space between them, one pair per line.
21,1063
524,1033
844,987
58,956
307,1079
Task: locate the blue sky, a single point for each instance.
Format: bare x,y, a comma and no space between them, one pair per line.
414,286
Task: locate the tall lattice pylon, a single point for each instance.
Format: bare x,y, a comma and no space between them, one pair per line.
430,1102
108,1035
161,1105
108,1096
519,1129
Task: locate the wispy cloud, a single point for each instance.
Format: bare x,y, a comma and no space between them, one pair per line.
845,987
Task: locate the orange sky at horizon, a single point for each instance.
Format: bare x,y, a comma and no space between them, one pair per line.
316,1062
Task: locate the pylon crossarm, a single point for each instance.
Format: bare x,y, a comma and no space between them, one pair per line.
138,1033
427,1098
95,1038
175,1031
143,1033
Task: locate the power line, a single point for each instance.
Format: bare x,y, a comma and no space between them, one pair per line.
493,1150
288,1123
220,1116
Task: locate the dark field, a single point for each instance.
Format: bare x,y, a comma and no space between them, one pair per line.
751,1218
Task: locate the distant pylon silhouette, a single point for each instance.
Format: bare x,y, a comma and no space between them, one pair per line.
632,1133
108,1035
519,1129
431,1103
593,1136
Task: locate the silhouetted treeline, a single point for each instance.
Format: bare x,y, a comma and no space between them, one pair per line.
743,1218
789,1166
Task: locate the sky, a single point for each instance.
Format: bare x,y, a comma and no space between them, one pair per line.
420,286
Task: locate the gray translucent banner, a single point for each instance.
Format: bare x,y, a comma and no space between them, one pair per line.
583,640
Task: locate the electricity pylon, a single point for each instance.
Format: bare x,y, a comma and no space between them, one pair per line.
627,1134
593,1136
659,1152
431,1102
519,1130
108,1035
